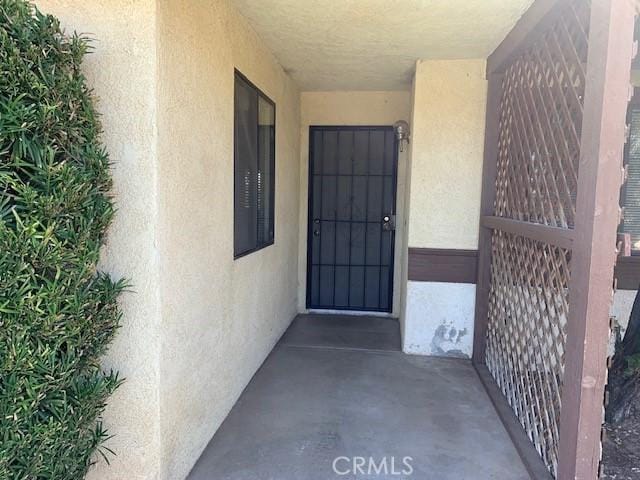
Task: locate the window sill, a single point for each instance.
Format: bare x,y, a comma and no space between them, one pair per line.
257,249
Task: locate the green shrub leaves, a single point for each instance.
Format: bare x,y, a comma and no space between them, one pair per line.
57,312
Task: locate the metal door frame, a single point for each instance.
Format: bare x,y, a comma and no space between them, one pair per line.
339,128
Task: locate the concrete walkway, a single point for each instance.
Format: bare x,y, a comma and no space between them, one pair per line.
323,407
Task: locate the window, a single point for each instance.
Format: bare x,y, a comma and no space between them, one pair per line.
254,168
631,190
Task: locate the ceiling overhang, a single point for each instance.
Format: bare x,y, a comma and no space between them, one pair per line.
374,44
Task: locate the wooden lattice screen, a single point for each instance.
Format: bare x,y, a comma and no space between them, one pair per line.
558,87
537,176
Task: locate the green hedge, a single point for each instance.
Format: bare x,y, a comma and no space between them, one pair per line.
58,313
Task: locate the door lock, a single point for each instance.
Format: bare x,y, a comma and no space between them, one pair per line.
389,223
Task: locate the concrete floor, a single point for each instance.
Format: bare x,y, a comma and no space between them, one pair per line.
321,395
344,331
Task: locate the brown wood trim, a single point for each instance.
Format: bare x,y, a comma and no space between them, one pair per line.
442,265
539,14
593,257
627,273
487,200
528,454
560,237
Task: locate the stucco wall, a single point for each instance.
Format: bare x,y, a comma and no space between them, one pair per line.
122,70
448,138
444,197
621,312
198,324
351,108
621,307
220,317
440,319
404,275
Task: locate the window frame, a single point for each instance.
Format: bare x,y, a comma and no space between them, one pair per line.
634,105
237,74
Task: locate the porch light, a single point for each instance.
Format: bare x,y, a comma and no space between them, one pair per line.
402,133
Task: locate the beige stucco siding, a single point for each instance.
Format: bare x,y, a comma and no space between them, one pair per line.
122,70
350,108
220,317
444,199
448,137
198,324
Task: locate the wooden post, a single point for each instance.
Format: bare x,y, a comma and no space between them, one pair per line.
489,169
593,257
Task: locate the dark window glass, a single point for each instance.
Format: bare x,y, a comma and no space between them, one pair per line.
631,190
254,168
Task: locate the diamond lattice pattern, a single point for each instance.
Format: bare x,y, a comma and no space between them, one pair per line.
528,310
538,153
540,123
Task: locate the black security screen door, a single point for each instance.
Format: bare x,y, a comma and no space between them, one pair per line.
352,201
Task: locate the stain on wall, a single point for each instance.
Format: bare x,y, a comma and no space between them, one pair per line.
448,340
440,319
446,170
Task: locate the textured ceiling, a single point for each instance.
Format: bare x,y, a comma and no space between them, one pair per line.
373,44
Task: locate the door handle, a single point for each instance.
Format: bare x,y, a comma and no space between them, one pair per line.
389,223
316,229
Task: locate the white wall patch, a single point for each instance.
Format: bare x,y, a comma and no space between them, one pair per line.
439,319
